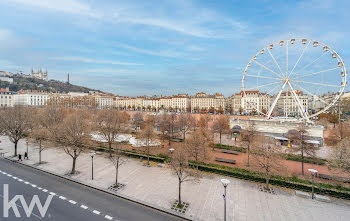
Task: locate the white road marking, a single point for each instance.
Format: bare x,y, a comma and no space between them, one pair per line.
108,217
52,193
72,202
62,197
96,212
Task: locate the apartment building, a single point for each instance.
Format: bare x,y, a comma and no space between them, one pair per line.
202,102
181,103
151,104
6,99
31,99
104,101
288,106
165,103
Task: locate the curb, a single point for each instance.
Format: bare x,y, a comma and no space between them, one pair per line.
140,202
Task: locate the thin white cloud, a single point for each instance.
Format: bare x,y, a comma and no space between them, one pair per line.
183,18
166,24
91,60
166,53
66,6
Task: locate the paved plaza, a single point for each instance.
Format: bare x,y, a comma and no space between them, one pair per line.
158,186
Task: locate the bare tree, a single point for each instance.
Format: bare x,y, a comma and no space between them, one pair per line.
172,125
298,139
179,166
340,156
45,122
151,119
148,136
203,122
196,146
267,157
221,125
109,123
73,134
117,162
15,124
338,133
185,122
248,135
39,135
168,125
138,121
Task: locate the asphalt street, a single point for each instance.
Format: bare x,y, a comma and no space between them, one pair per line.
71,201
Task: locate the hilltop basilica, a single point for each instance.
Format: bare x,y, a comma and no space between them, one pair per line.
40,74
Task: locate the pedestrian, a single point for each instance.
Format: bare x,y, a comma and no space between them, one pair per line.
26,156
19,157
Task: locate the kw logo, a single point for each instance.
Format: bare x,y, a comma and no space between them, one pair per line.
28,209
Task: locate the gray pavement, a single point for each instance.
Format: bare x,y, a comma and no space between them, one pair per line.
71,201
158,186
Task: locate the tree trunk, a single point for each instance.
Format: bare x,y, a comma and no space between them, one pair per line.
267,182
73,166
147,155
110,149
179,204
116,175
248,155
302,161
16,142
220,138
184,135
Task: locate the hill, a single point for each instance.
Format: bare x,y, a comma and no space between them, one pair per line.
28,83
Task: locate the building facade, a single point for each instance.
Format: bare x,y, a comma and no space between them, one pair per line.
287,105
31,99
6,99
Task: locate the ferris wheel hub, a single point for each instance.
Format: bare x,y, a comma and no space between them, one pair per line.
285,80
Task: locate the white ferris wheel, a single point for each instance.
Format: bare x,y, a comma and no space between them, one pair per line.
294,77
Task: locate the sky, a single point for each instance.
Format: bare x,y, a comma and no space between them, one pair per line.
133,48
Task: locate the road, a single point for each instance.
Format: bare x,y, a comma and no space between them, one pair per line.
71,201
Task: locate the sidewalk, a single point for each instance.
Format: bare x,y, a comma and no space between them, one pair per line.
158,186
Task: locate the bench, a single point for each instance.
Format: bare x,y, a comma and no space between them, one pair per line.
337,178
229,151
225,160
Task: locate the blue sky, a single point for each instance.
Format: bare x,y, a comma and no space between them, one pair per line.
159,47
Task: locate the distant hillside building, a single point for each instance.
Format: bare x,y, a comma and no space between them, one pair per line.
43,75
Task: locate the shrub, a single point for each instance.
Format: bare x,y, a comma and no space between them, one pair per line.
310,160
228,147
289,182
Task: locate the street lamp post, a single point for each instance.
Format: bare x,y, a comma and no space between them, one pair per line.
92,154
27,150
313,173
225,183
